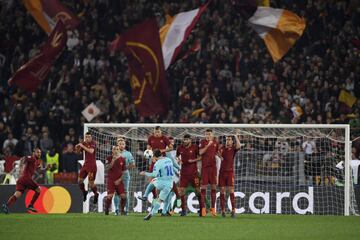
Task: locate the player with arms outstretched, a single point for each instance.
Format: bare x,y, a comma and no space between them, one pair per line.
116,166
89,168
226,176
164,173
208,149
28,165
189,155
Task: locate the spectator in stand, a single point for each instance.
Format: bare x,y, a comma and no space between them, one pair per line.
46,143
10,142
69,160
232,73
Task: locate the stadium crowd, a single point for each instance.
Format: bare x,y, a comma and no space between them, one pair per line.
230,79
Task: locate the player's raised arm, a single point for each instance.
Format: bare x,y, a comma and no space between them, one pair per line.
238,143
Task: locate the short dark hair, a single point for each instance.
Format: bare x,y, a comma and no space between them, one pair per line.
88,133
229,136
187,136
208,130
37,148
157,128
157,153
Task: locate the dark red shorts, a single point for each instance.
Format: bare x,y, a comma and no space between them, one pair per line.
151,167
87,171
24,183
112,188
226,179
208,176
186,180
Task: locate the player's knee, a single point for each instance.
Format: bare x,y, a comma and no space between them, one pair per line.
213,187
231,190
18,194
222,190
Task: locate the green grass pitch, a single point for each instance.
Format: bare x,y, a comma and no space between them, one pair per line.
99,226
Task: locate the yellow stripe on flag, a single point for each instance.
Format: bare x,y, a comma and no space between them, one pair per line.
347,98
35,9
164,29
288,30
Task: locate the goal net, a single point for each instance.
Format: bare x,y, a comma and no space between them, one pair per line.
280,169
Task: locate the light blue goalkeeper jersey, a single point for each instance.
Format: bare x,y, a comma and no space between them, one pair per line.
129,160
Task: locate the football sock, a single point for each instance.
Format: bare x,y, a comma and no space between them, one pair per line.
127,201
108,202
148,189
82,187
202,199
154,193
94,189
36,195
167,203
116,201
175,190
232,200
122,204
213,198
155,208
183,206
222,202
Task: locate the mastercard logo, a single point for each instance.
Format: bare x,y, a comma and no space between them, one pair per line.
55,199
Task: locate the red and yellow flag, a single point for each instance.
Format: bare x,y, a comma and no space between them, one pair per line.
150,89
33,73
47,12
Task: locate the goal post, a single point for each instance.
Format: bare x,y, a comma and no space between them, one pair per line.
280,168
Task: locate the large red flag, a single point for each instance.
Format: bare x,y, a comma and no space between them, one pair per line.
150,89
31,74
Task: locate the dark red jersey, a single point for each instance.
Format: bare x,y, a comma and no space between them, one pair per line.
90,159
158,142
208,158
30,165
117,169
186,154
228,154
